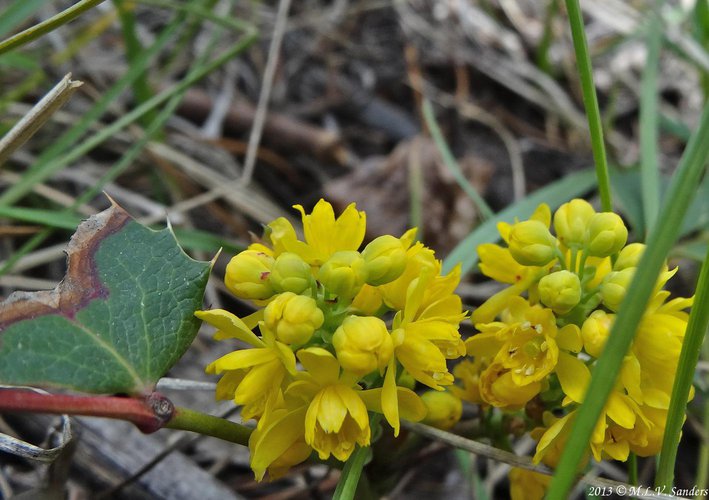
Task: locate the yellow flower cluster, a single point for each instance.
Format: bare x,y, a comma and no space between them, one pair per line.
339,331
540,336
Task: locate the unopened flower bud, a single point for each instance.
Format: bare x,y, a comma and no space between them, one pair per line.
363,344
343,274
444,409
247,275
293,318
531,243
291,273
570,222
606,234
629,256
560,291
595,330
385,259
615,286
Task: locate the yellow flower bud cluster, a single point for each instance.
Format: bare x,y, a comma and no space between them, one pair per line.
540,336
339,331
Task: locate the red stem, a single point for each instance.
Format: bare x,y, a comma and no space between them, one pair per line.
148,413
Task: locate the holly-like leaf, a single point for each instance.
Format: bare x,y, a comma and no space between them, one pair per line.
122,316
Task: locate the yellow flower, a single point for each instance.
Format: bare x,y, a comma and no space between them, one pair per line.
527,484
363,344
444,409
467,372
278,441
343,274
247,275
293,318
620,411
606,234
385,259
418,259
614,287
425,331
657,346
560,291
552,439
524,349
324,234
629,256
255,375
595,332
336,418
498,389
571,220
291,273
531,243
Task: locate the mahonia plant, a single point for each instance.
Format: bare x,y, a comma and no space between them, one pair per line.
342,332
539,337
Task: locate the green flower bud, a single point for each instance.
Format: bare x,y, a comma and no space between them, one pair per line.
595,330
343,273
444,409
291,273
247,275
570,222
560,291
531,243
293,318
615,286
363,344
385,259
629,256
606,234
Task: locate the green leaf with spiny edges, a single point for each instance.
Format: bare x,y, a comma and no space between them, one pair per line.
122,316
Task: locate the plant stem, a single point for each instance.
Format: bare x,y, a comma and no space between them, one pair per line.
209,425
36,31
590,101
148,413
633,469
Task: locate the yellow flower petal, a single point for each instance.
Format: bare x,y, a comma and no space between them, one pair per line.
574,376
331,410
321,364
241,359
277,435
229,326
569,338
354,404
497,263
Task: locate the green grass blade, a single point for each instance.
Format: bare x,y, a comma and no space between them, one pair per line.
51,218
16,14
347,486
691,348
141,88
583,63
661,240
47,26
649,123
553,194
451,163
